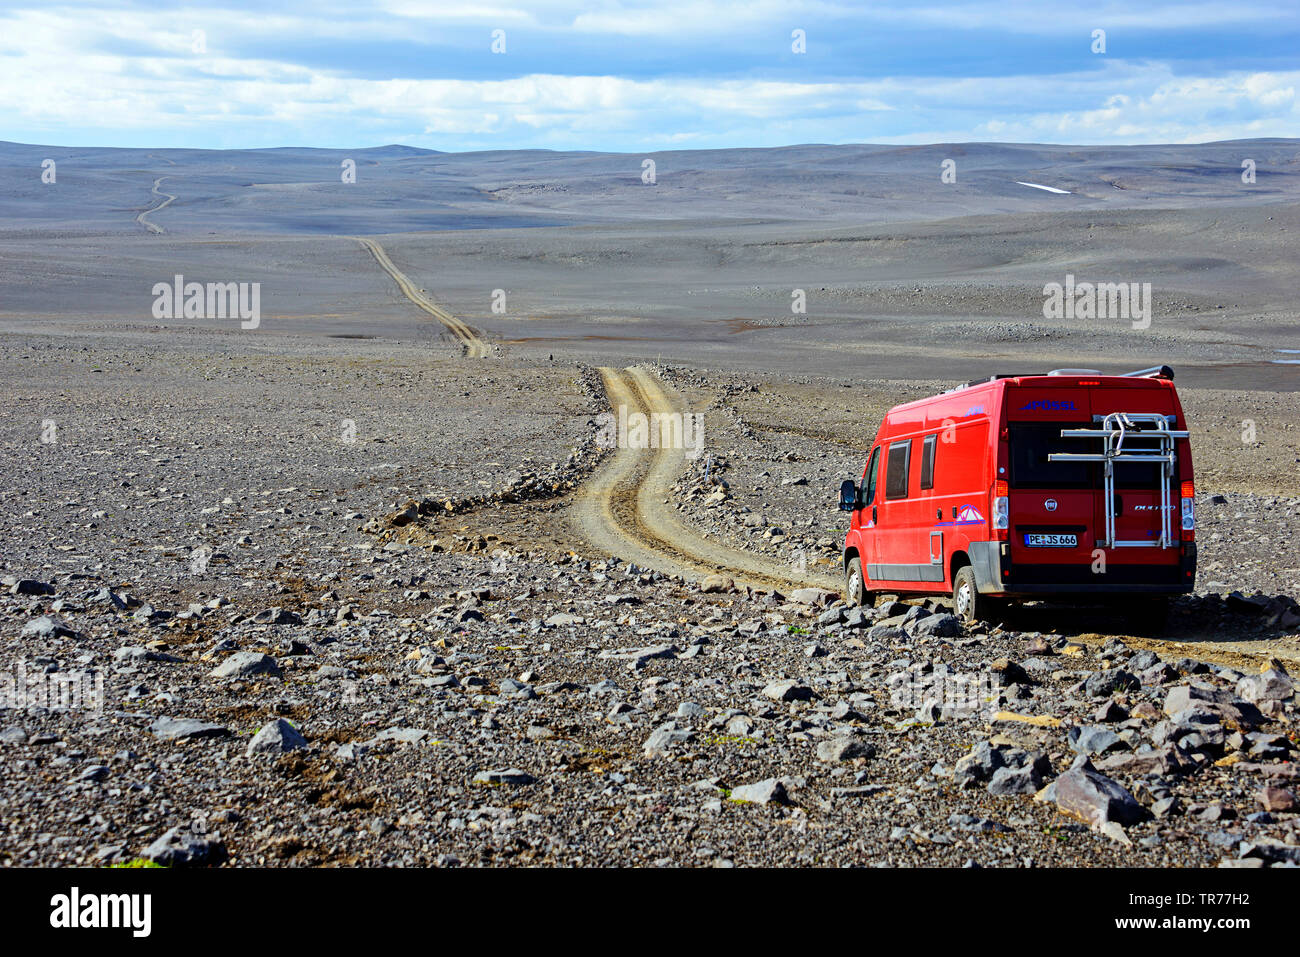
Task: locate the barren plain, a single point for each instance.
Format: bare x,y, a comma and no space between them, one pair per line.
358,583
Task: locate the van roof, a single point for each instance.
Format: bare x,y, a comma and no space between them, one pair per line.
1155,372
1156,376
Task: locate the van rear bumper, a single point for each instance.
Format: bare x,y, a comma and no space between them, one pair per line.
996,574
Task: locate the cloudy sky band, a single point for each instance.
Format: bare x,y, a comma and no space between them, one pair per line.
634,76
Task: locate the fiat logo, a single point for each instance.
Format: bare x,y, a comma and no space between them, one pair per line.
1050,505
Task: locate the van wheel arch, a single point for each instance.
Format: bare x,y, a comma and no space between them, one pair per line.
955,564
855,581
967,602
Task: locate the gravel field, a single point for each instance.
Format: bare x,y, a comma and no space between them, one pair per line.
287,679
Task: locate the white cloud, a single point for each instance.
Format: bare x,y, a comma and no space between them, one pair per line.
442,12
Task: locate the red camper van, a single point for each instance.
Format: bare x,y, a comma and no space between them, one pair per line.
1071,484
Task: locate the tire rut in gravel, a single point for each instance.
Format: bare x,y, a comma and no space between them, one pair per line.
474,347
625,508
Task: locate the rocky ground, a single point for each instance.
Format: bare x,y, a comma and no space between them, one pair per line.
587,713
272,673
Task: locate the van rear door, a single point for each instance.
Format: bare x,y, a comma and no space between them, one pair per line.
1052,504
1058,508
1137,499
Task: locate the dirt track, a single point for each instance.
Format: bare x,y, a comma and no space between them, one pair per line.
624,507
475,348
143,220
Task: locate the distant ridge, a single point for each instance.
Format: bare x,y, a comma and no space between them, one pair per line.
379,190
390,149
401,149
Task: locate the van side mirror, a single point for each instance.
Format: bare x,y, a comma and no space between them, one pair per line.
848,495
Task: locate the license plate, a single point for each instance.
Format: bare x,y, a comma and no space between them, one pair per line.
1060,541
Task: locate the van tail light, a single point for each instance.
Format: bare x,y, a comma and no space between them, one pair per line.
1001,511
1189,512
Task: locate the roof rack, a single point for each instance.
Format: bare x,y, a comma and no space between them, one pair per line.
1155,372
994,378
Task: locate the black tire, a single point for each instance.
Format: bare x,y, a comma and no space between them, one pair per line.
967,602
855,586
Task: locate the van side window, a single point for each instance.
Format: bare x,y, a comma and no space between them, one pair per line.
927,460
900,458
869,495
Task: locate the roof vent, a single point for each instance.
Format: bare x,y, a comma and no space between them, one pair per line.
1074,372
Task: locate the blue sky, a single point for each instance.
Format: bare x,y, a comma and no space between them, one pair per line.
642,76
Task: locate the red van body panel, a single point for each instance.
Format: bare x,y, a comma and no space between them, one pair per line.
940,463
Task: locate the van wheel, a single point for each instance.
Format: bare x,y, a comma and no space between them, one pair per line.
967,602
855,587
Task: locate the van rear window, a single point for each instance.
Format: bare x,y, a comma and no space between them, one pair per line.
900,458
1139,474
1029,444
